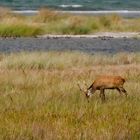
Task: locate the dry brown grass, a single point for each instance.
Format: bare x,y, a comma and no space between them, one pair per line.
42,103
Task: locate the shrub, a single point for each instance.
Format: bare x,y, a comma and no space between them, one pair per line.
111,20
10,30
75,25
75,30
105,21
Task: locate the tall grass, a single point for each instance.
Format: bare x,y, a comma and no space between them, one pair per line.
46,103
75,25
55,60
111,22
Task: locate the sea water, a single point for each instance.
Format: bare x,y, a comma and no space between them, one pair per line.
126,7
78,5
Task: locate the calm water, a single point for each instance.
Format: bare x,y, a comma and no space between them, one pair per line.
84,5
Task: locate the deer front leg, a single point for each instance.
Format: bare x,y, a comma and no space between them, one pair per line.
119,91
123,90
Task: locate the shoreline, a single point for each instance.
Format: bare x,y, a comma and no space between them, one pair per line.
123,13
83,12
96,35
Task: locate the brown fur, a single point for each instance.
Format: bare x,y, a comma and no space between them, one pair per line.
107,82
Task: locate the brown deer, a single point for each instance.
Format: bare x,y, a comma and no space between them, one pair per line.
105,82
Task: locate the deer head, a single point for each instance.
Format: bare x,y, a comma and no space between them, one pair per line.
84,89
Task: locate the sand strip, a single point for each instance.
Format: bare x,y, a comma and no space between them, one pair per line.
97,35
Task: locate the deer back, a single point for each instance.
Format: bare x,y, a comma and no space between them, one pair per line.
108,81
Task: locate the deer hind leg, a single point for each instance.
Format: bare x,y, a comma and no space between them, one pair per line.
102,94
123,90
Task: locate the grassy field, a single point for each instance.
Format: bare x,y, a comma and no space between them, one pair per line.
40,99
51,22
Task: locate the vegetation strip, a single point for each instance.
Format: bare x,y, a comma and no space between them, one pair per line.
55,23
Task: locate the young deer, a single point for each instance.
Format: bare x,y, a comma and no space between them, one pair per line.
105,82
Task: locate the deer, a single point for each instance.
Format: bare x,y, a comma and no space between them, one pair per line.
102,83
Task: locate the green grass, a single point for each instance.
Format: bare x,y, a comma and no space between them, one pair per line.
44,102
